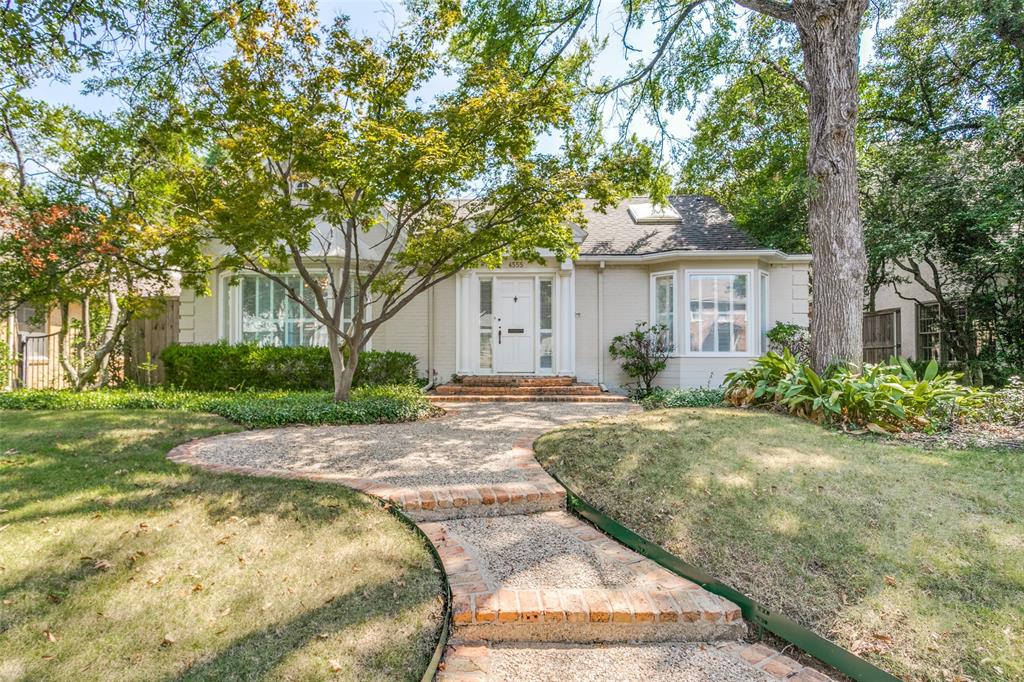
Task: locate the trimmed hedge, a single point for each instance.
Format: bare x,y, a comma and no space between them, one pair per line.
223,366
253,409
683,397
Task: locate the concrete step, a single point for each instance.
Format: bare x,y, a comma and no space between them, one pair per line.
574,389
602,398
550,577
514,380
468,661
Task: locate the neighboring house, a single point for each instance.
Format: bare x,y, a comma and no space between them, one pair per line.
685,265
907,322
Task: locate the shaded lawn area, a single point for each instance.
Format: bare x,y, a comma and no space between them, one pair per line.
117,564
913,558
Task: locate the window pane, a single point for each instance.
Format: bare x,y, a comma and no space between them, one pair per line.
486,322
718,313
546,350
545,304
271,317
665,305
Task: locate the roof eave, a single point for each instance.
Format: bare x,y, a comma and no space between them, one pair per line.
770,255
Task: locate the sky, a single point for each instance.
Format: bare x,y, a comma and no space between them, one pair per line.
375,17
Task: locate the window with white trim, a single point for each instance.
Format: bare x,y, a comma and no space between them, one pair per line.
719,313
272,318
547,351
663,303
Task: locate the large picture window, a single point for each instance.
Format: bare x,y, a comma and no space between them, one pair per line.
719,313
663,303
271,318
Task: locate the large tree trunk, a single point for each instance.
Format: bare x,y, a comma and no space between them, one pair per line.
830,39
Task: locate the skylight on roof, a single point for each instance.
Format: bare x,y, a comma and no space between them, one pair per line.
649,213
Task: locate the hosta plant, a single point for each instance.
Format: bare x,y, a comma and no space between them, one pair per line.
886,397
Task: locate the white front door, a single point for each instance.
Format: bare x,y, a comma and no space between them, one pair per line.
514,325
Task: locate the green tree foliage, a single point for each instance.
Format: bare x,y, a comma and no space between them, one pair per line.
87,213
325,161
941,172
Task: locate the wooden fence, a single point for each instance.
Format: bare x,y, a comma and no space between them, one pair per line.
136,361
881,335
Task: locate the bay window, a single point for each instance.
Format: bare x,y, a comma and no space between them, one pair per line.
718,312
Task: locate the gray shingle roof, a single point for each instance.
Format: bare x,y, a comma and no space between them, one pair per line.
704,226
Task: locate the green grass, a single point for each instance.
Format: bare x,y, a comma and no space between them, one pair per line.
108,552
253,409
913,558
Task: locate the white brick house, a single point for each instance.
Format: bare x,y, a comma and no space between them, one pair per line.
686,265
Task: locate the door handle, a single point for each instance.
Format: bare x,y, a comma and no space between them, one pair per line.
499,336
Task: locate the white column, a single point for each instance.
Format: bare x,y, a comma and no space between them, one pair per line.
565,329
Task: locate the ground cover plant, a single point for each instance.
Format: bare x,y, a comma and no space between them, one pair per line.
116,563
253,409
910,558
683,397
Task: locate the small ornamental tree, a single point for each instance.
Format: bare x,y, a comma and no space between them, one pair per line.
644,353
326,162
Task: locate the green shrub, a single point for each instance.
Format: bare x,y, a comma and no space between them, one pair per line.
254,409
793,337
644,354
223,366
683,397
883,396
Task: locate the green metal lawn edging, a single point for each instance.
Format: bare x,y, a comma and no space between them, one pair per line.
754,612
442,640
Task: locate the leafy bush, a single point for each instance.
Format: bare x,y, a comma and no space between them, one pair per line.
1005,406
683,397
793,337
253,409
644,354
223,366
883,396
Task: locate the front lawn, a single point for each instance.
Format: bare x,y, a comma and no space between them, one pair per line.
117,564
913,558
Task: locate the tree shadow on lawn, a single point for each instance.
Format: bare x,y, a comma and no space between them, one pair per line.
66,456
99,484
259,653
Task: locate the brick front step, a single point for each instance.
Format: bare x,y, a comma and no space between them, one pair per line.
633,598
602,398
478,661
473,501
514,380
574,389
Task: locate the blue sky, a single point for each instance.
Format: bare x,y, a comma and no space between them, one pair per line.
375,17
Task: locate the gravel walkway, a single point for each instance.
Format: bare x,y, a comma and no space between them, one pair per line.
675,662
531,552
467,446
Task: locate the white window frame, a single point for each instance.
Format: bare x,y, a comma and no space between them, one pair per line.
231,298
751,316
764,303
652,314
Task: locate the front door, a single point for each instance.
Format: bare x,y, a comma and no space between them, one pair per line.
513,319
